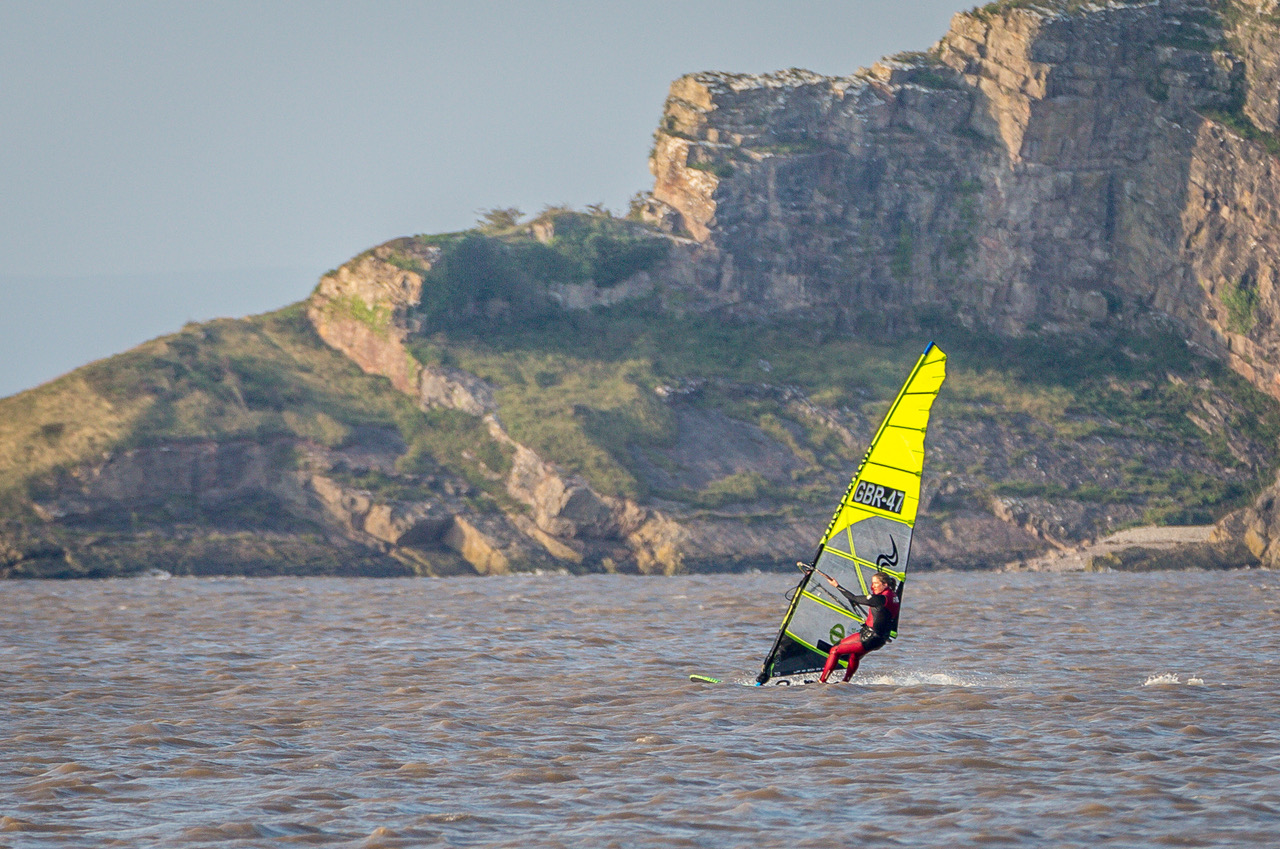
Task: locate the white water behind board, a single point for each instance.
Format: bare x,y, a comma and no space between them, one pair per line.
1020,709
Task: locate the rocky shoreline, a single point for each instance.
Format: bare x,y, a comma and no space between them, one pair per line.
1143,549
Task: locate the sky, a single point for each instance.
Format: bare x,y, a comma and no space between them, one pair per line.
166,162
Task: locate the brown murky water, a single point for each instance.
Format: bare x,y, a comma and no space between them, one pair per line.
1015,710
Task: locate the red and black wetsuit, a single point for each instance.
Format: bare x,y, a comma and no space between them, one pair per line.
882,618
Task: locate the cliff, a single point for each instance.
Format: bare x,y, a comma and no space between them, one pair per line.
1077,201
1036,171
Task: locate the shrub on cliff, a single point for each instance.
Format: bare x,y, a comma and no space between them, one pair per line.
478,281
602,249
481,281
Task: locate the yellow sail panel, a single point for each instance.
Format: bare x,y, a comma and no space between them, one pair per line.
888,481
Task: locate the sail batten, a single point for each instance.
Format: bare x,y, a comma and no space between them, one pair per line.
871,529
896,469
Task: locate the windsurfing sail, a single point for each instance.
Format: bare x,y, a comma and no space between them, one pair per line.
870,531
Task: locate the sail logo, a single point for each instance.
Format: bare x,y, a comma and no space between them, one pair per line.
889,561
880,497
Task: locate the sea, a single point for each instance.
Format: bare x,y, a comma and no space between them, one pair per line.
1014,710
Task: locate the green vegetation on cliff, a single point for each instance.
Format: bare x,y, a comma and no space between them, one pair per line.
583,388
482,279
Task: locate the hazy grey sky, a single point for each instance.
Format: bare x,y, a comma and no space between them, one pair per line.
168,161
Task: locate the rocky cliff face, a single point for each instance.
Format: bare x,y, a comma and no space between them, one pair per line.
1036,171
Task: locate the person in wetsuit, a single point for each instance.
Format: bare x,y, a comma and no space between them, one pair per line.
882,619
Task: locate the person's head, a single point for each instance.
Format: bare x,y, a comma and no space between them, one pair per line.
880,581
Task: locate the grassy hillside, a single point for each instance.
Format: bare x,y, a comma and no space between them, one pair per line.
259,378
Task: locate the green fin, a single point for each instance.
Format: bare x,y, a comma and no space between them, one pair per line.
705,679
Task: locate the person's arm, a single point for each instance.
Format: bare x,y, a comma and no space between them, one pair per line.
875,602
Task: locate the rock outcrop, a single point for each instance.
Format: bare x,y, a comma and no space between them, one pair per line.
366,310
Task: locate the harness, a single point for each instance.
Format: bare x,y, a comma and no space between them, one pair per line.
884,625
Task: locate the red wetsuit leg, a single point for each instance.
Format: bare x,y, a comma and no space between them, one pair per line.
854,657
851,646
830,664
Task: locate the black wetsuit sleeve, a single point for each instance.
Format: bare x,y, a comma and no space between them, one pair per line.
875,602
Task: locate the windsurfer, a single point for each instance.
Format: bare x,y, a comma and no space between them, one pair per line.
882,619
